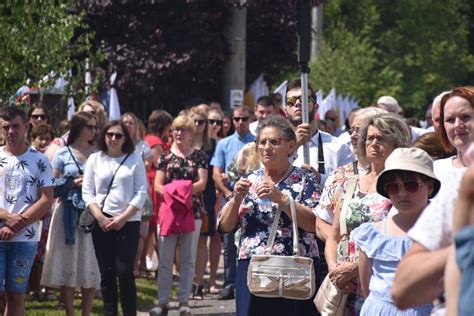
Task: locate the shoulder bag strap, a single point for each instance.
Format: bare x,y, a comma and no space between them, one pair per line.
321,168
352,183
75,161
271,237
112,181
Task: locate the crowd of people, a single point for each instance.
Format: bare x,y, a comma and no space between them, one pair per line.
384,208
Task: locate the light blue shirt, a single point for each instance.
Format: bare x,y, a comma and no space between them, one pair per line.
227,149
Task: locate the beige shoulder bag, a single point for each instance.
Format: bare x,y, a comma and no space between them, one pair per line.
330,300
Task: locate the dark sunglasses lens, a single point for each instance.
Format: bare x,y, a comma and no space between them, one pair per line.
391,188
199,122
215,122
241,119
411,186
118,136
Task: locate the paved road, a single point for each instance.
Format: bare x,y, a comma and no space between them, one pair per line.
210,305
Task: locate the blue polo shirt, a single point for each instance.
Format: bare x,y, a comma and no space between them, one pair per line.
227,149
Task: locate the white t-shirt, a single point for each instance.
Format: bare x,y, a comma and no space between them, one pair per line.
129,186
21,178
142,149
434,226
253,128
336,154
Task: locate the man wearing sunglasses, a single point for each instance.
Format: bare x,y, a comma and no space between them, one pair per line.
225,152
26,195
265,106
334,153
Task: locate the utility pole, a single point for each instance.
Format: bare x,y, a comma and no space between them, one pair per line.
234,67
316,31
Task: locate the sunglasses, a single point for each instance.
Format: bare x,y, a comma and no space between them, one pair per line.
91,127
215,122
291,101
199,122
272,141
241,118
410,186
39,116
110,135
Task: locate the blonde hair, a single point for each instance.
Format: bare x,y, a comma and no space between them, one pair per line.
247,159
98,108
184,122
206,140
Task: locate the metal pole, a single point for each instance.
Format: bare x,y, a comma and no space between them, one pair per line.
304,50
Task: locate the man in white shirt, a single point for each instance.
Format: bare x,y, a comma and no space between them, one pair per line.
334,153
26,195
265,106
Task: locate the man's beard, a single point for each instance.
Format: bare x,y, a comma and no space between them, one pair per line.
297,122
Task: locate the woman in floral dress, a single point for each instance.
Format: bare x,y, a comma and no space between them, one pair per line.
275,181
182,162
378,137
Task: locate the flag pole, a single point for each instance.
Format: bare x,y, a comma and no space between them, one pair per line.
303,22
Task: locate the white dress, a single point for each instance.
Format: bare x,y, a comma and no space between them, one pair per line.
73,265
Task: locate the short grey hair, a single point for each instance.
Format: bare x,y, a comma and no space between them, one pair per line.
369,112
279,122
393,128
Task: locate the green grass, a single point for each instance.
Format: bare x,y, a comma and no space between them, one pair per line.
146,299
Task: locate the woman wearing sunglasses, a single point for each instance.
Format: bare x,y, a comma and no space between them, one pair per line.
114,189
409,182
206,132
70,260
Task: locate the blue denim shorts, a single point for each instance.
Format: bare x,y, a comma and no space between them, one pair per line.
16,260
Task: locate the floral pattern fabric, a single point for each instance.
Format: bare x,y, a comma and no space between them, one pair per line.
363,208
256,224
179,168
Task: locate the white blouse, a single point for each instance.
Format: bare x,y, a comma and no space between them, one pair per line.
129,185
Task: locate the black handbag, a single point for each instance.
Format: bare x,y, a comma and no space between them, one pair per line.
87,221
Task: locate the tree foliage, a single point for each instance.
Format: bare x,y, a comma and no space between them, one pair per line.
411,49
163,52
39,38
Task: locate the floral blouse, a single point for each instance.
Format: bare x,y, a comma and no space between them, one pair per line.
178,168
255,224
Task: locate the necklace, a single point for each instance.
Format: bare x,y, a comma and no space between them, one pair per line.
290,168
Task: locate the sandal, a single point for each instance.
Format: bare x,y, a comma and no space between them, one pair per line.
161,309
214,290
197,292
184,310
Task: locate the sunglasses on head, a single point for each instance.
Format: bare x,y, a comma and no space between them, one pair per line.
410,186
241,118
199,122
39,116
215,122
111,135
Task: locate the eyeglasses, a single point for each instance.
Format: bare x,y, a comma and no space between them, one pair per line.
39,116
380,139
215,122
199,122
272,141
291,101
91,127
241,118
353,129
410,186
110,135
